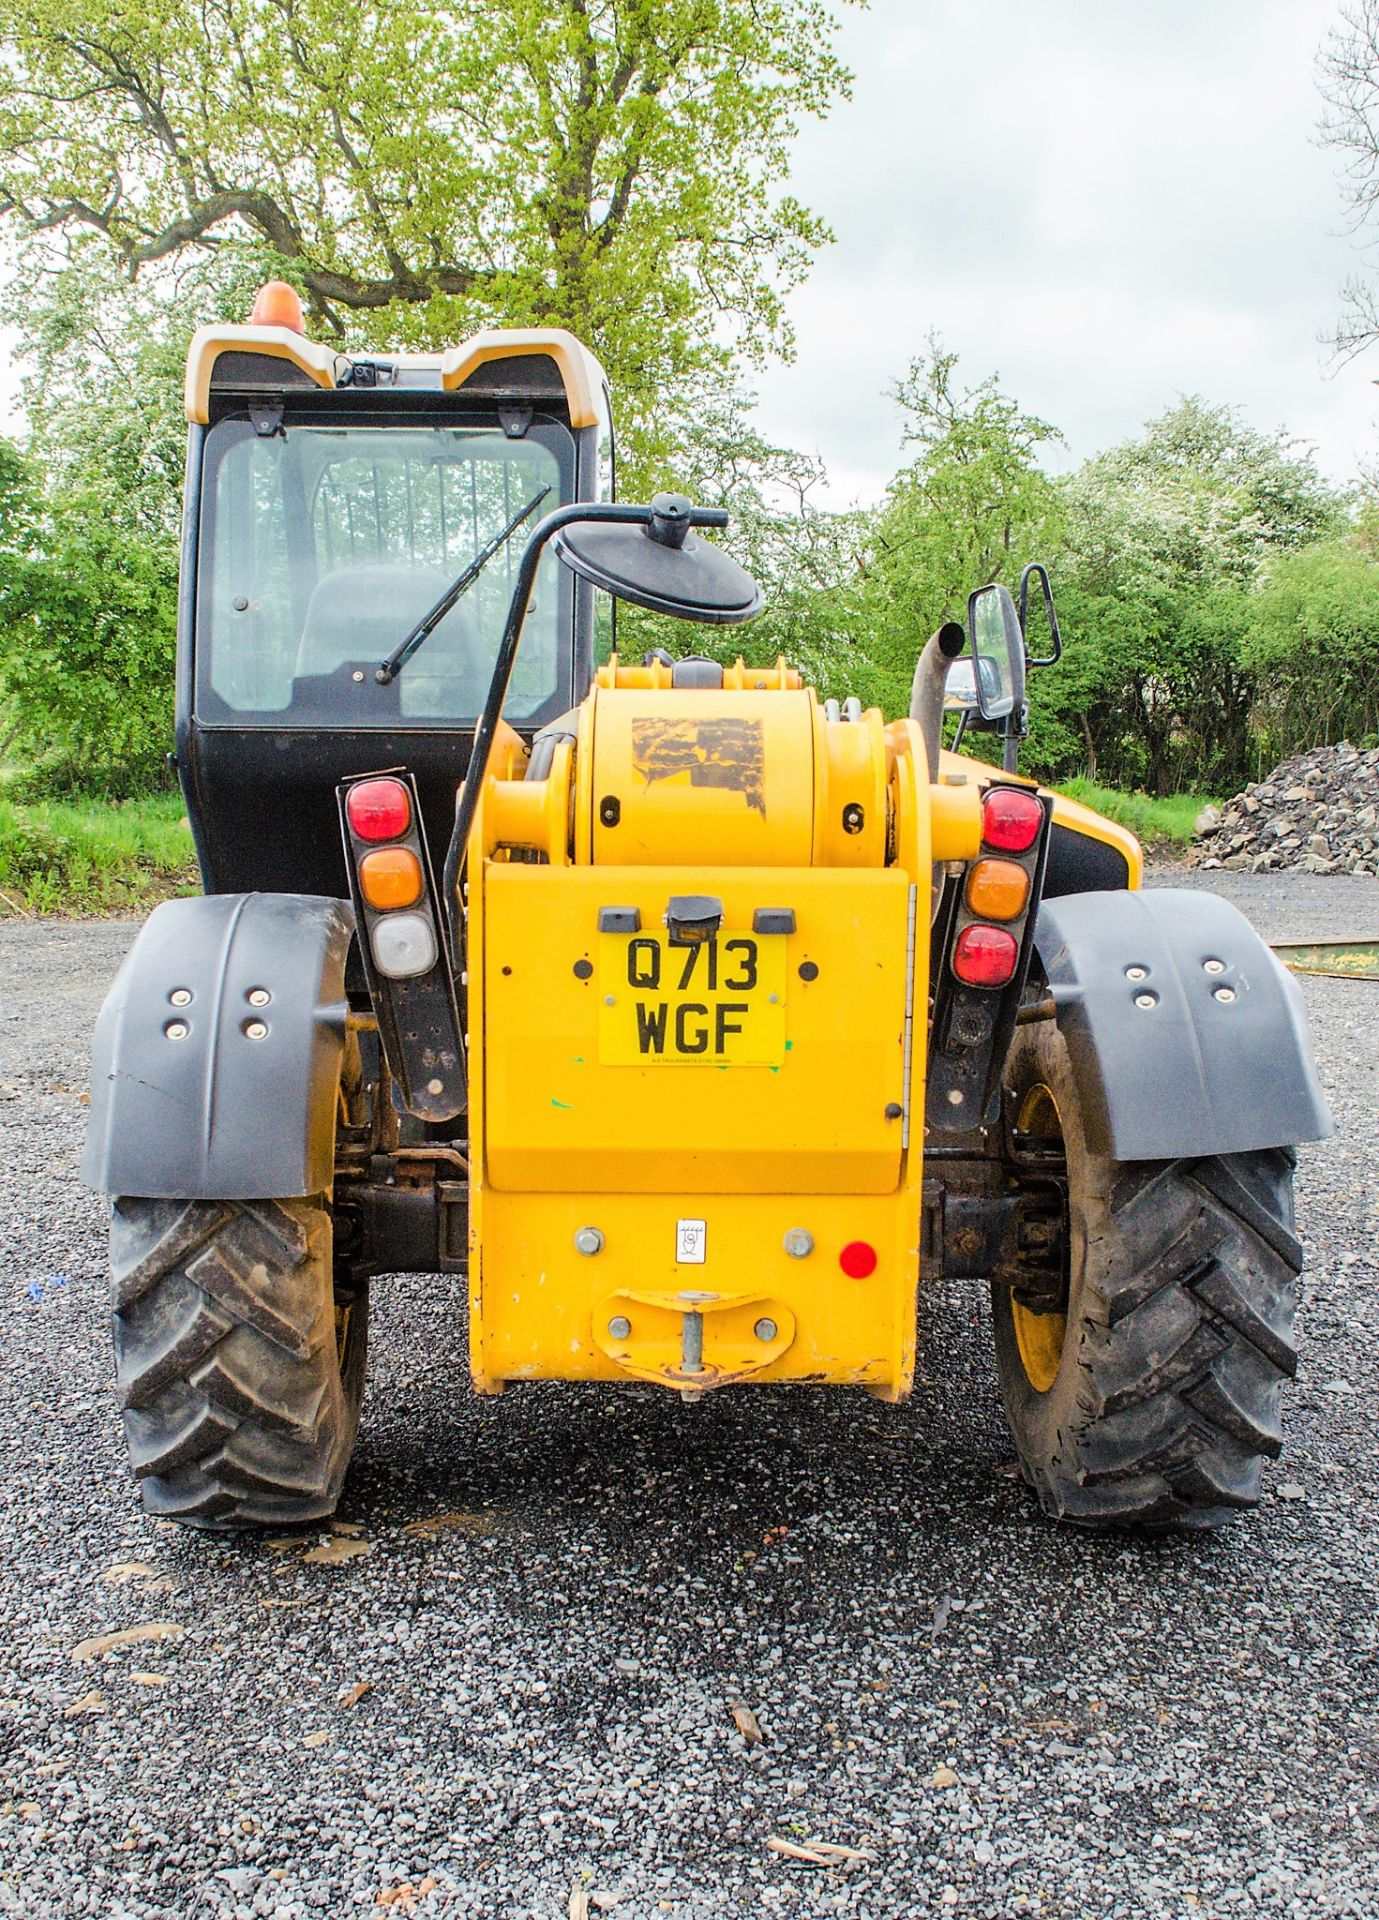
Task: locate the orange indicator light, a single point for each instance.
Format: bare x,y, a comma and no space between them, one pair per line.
390,877
997,889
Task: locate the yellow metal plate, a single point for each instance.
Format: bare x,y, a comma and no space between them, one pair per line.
559,1117
720,1003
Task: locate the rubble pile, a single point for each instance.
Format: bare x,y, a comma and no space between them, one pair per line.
1318,813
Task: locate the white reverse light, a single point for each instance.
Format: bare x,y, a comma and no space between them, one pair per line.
404,945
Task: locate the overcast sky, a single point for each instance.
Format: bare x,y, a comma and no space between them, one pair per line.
1108,202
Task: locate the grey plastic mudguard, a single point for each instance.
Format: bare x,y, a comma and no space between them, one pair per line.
1220,1062
218,1114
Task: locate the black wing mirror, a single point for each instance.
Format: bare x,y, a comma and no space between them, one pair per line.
659,564
644,554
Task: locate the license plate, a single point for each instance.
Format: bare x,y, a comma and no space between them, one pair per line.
718,1004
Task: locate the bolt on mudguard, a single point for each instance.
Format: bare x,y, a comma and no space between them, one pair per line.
1185,1033
217,1053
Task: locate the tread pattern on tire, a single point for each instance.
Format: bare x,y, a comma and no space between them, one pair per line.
235,1409
1179,1341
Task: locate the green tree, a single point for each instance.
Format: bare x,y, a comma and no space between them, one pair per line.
805,556
87,625
610,165
1167,540
973,505
1313,645
88,594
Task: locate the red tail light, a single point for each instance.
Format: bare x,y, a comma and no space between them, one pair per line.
379,809
1011,820
985,956
857,1259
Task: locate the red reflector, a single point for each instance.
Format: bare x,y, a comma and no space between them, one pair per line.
379,809
857,1259
985,956
1011,820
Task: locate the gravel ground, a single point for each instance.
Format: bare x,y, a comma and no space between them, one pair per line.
1001,1717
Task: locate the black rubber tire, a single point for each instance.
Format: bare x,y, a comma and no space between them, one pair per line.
241,1388
1182,1285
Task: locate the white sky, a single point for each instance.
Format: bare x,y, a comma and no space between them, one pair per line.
1108,202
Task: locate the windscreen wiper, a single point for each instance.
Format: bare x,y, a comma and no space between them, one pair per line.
399,657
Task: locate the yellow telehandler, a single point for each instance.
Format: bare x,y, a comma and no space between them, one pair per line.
709,1021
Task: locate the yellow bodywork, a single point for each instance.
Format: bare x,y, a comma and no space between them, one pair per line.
672,1145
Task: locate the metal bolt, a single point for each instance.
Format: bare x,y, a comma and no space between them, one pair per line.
176,1030
255,1030
1137,973
435,1086
1213,966
356,675
1224,994
588,1240
798,1243
765,1330
691,1342
609,1000
1146,1000
955,1096
619,1327
772,999
258,996
180,997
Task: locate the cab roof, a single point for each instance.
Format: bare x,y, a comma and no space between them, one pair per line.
500,363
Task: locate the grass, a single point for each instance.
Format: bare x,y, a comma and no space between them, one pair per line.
1156,823
98,858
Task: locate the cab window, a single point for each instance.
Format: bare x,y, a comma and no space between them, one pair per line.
322,546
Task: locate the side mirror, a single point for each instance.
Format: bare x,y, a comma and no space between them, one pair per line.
960,688
661,565
997,652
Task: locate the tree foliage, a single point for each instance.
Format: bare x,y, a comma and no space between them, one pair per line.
972,506
613,166
1164,543
88,571
87,628
807,557
1312,649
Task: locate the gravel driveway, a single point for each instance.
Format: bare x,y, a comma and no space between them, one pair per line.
511,1695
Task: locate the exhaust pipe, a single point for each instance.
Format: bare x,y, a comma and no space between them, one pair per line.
926,693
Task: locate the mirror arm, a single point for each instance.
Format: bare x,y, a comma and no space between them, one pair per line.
608,512
1037,567
1016,727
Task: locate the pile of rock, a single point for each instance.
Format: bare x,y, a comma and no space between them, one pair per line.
1318,812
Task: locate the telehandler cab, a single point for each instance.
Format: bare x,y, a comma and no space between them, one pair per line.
712,1018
